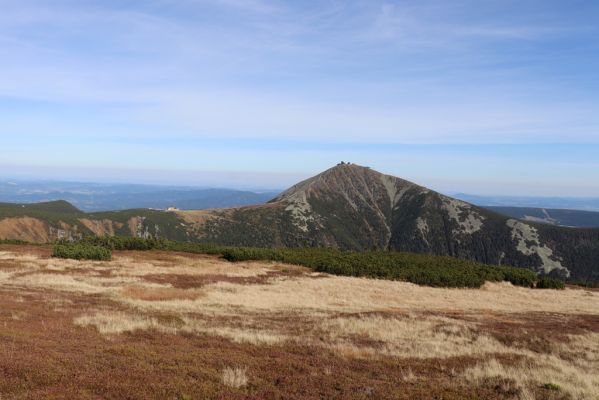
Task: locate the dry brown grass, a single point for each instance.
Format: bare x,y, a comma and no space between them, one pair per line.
119,322
410,337
245,334
500,340
235,377
145,293
330,294
579,380
345,294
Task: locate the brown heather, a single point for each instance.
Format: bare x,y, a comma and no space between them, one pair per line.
159,325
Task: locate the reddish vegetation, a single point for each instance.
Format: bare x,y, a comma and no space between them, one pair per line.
41,251
44,355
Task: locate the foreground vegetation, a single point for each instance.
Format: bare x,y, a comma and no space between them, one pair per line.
416,268
81,251
13,241
421,269
172,325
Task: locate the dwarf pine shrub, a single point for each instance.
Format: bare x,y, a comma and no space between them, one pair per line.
421,269
81,251
547,282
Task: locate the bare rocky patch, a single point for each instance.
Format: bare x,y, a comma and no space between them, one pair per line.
467,219
529,244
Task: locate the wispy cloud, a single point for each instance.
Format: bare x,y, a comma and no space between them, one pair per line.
337,72
429,26
258,6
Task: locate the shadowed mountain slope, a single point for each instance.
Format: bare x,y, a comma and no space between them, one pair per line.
356,208
348,207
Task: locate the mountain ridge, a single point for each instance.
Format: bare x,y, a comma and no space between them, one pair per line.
352,207
356,208
551,216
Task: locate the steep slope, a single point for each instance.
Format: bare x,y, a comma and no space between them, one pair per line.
348,207
50,221
354,207
40,222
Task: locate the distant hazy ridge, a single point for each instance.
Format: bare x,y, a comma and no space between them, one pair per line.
348,207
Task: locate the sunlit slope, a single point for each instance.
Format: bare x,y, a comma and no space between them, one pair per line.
348,207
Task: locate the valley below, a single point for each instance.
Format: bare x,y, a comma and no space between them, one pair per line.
167,325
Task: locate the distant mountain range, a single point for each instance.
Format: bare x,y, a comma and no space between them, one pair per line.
93,197
561,211
568,203
559,217
348,207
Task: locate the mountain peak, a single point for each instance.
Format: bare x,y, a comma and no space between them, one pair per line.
346,166
346,192
351,182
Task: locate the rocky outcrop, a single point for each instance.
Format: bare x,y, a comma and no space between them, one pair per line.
36,230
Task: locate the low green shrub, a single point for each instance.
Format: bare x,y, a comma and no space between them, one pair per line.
547,282
587,284
124,243
519,276
81,251
133,243
12,241
552,386
421,269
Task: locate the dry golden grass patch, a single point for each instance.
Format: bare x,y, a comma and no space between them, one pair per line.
303,292
119,322
359,319
579,382
237,335
77,283
570,368
64,283
4,276
585,348
11,256
572,365
409,337
409,376
235,377
192,266
146,293
116,322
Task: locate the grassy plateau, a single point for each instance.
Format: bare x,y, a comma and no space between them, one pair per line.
168,320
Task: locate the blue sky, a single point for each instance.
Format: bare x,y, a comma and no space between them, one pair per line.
492,97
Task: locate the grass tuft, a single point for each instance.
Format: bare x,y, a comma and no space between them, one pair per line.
235,377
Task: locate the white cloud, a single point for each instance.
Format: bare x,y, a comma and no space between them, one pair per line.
351,71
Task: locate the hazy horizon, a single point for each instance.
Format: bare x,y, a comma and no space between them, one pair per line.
235,181
463,96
